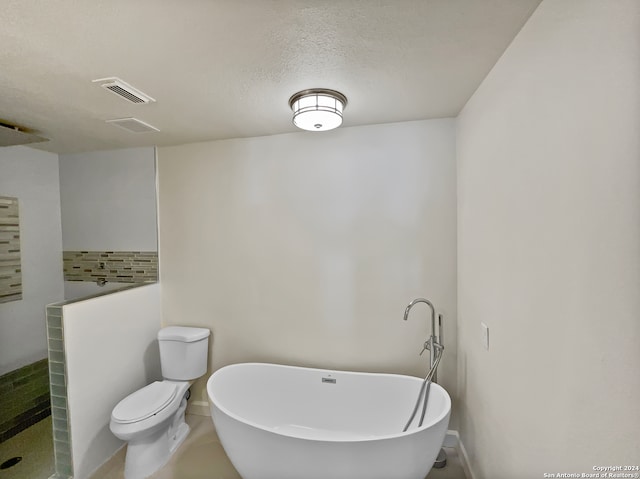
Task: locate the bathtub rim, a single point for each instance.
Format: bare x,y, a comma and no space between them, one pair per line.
446,412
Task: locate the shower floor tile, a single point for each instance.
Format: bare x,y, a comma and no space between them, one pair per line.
201,457
35,446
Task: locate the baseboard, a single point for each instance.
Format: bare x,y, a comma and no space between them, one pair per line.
199,408
452,439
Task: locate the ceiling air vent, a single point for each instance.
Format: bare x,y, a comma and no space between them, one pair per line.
132,125
124,90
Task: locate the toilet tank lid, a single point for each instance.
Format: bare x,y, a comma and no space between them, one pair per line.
183,333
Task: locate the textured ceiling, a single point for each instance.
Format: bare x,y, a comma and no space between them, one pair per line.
226,68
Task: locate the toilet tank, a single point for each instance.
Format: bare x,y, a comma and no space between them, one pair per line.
183,352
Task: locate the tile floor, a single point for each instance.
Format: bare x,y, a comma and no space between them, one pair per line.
35,446
201,457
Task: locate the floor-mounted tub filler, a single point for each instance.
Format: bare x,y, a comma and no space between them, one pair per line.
286,422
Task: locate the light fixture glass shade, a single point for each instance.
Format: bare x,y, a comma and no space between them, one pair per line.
317,109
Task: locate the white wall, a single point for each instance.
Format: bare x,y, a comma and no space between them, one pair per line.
549,247
109,200
32,177
306,248
111,351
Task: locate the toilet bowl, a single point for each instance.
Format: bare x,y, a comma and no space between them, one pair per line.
151,419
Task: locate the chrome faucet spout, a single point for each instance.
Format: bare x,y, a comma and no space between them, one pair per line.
433,339
433,312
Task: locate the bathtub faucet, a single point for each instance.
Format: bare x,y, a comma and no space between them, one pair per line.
434,338
435,341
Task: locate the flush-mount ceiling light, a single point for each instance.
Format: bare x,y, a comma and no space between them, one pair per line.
317,109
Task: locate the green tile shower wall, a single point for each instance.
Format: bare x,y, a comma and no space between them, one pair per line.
24,397
10,268
58,380
113,266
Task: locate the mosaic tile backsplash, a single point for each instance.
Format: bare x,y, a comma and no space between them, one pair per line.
10,269
112,266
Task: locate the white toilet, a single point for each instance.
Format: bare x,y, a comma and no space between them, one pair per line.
152,418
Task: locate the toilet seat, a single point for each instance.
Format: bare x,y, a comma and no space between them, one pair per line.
144,403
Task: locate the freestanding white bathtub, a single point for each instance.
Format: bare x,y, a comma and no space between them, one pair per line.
285,422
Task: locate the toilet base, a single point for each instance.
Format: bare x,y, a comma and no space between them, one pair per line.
179,437
146,455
